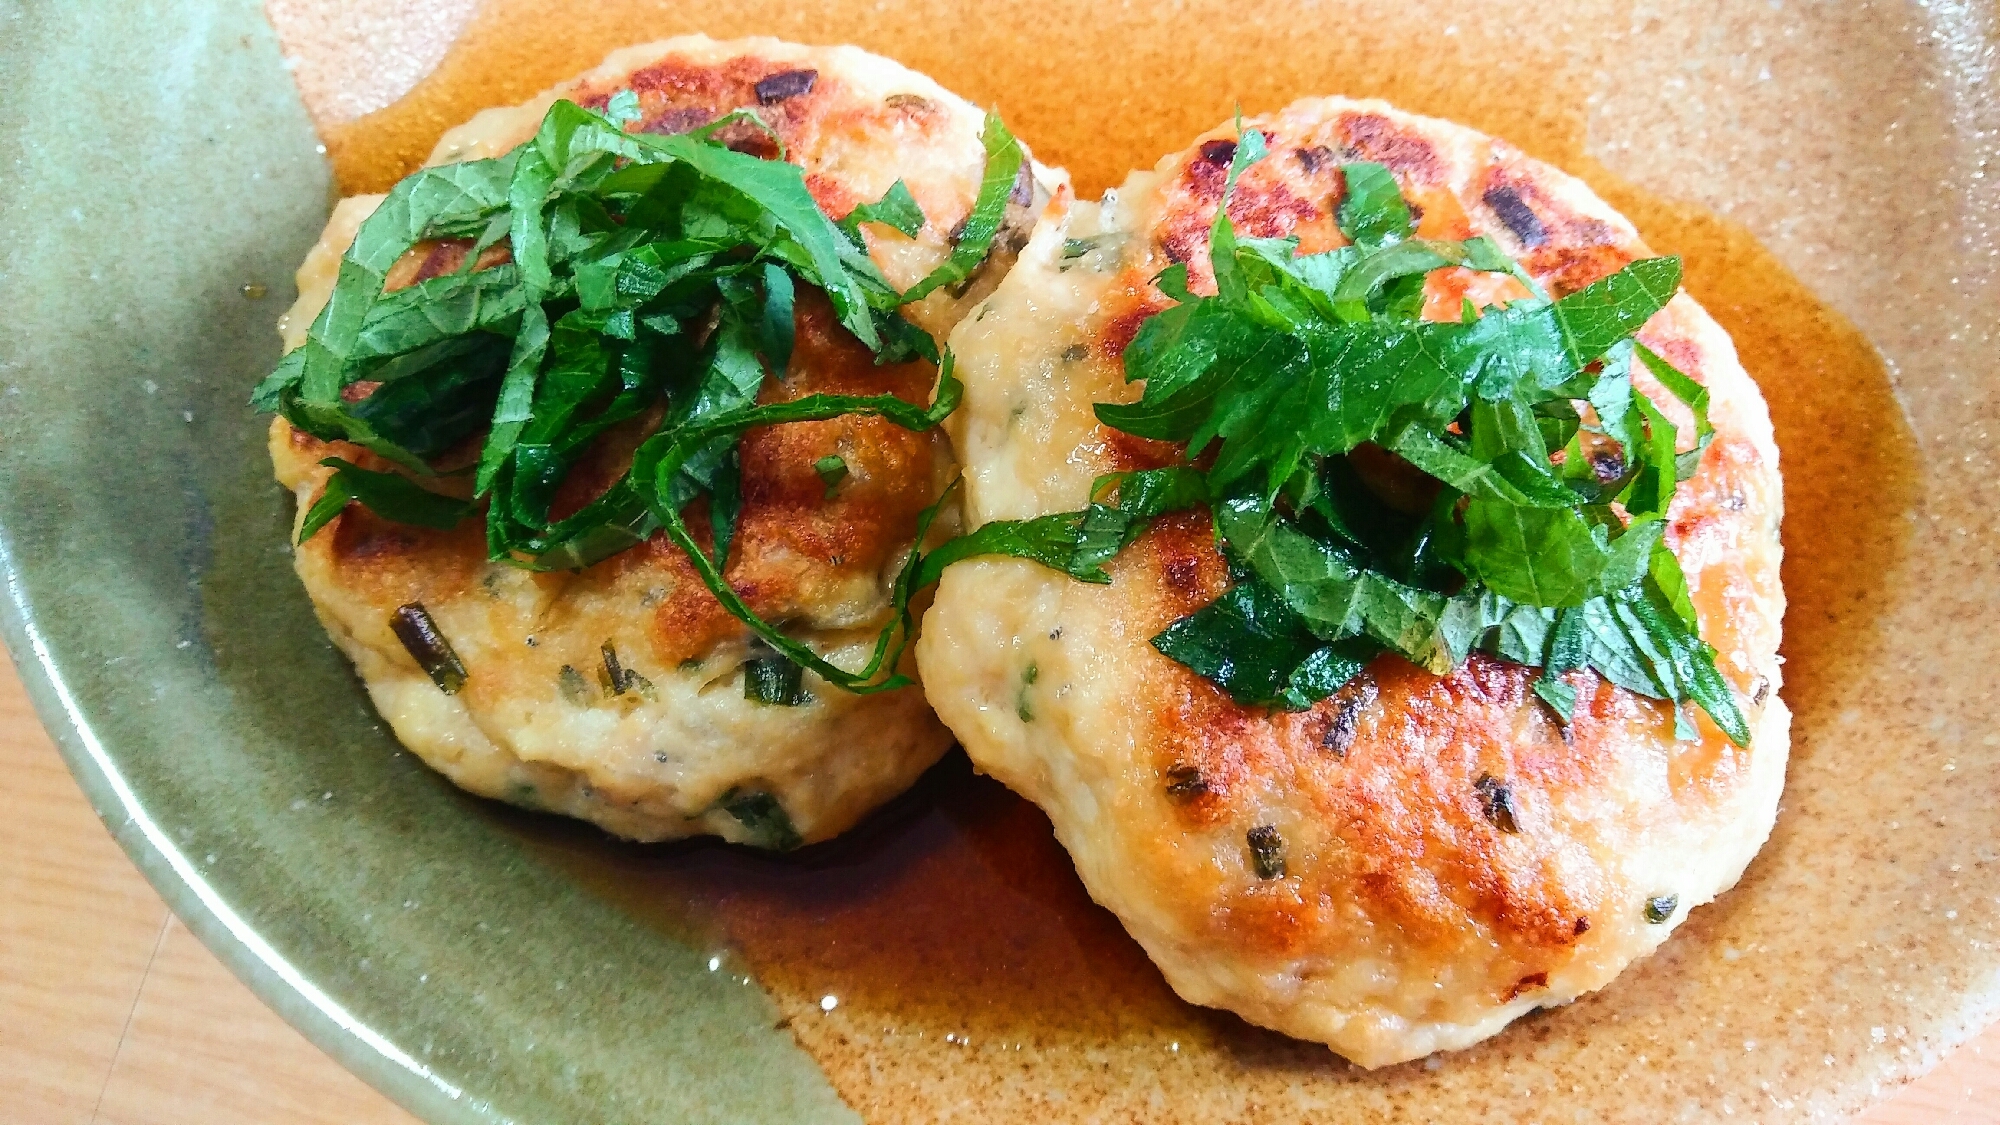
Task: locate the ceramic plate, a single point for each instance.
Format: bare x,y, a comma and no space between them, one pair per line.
1828,170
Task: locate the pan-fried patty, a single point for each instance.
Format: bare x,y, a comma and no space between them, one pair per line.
549,717
1448,856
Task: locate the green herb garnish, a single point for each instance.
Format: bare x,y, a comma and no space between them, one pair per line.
897,208
770,826
644,270
1302,372
389,495
1267,851
1023,709
832,469
775,681
571,683
1004,160
617,679
647,269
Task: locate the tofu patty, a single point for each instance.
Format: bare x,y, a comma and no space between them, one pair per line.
616,694
1448,856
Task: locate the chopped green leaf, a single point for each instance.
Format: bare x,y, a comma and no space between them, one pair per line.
1694,395
616,677
622,108
1267,851
1373,213
775,681
1255,647
1050,540
645,274
1517,529
1378,482
832,469
571,684
1078,543
1142,497
389,495
1496,800
897,209
975,238
1608,312
769,825
1560,697
1108,244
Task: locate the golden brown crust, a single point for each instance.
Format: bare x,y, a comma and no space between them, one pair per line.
538,720
801,104
1452,855
797,551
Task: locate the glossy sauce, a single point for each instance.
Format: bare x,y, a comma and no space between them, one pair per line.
950,932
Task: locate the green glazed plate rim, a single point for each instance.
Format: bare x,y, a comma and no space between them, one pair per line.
172,873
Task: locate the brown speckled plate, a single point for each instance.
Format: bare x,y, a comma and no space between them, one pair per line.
1826,169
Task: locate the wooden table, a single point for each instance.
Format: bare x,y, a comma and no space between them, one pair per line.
111,1012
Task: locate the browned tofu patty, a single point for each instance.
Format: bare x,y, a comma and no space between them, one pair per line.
1452,856
539,722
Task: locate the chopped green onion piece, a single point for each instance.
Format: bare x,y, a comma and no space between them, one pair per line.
413,626
1267,852
832,469
770,826
775,681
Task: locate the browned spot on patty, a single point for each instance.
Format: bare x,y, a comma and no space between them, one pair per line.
1270,914
796,550
832,194
1262,206
1515,214
675,120
437,257
1398,829
687,621
1180,549
1376,138
677,95
785,84
1319,159
676,83
1205,176
1261,209
1127,452
1567,250
1122,326
1442,215
1529,983
395,563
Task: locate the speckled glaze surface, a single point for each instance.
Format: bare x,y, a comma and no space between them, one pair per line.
1827,170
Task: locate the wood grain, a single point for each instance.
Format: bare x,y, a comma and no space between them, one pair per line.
77,930
201,1049
111,1013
